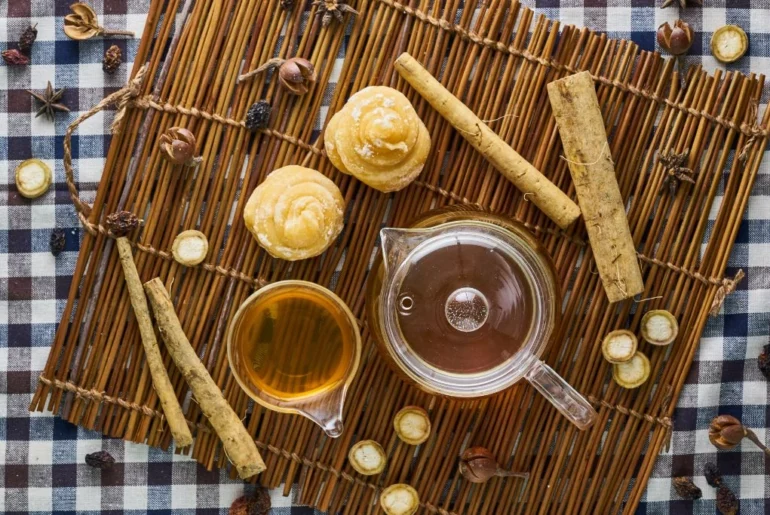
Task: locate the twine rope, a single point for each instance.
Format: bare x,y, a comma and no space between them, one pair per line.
727,287
743,156
665,422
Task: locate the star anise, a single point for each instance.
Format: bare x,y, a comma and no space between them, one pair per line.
676,169
50,101
333,10
682,3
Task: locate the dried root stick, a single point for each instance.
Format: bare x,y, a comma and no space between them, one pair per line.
583,136
165,390
238,444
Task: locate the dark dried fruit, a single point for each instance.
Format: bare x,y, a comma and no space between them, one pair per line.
686,488
57,242
258,116
727,503
256,504
112,59
287,5
14,57
27,38
763,361
100,460
713,475
121,223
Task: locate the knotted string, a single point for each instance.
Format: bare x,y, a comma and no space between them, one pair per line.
728,287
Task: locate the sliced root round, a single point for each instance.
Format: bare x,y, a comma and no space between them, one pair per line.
399,499
619,346
659,327
367,457
412,425
729,43
33,178
633,373
190,248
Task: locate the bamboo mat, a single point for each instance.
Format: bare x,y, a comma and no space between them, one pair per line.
497,57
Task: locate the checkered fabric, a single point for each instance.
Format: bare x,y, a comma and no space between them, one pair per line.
42,466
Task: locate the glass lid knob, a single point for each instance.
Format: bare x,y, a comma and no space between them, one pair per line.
466,309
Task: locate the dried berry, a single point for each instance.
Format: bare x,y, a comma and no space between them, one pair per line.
57,242
713,475
122,222
763,361
14,57
112,59
100,460
258,116
686,488
27,38
727,503
257,504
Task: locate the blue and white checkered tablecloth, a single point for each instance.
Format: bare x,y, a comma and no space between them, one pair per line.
42,458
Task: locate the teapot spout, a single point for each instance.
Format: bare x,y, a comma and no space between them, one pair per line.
398,243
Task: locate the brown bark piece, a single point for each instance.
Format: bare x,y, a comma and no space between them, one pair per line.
581,128
238,443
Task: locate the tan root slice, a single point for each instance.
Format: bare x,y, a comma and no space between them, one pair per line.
659,327
367,457
399,499
729,43
633,373
584,138
190,248
238,444
33,178
412,425
619,346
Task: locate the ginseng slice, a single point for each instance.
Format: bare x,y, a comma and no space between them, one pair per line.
399,499
619,346
729,43
367,457
659,327
633,373
412,425
33,178
190,248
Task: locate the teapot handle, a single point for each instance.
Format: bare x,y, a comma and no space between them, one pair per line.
559,393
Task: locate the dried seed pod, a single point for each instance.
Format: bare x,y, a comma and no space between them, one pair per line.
478,465
726,432
100,460
297,75
83,24
258,116
190,248
676,40
121,222
367,457
257,504
33,178
287,5
632,373
686,488
729,43
112,59
27,38
399,499
763,361
619,346
713,475
178,145
659,327
412,425
727,503
57,241
14,57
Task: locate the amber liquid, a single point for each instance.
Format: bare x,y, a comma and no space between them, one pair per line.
292,345
432,279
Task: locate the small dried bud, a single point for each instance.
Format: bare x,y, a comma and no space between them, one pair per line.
713,476
258,116
112,59
27,38
121,223
676,40
686,488
257,504
297,75
763,362
478,465
14,57
727,503
57,242
726,431
178,145
100,460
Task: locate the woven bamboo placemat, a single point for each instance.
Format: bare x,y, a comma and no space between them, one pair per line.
496,57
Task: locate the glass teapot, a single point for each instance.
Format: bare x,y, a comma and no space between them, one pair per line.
463,304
